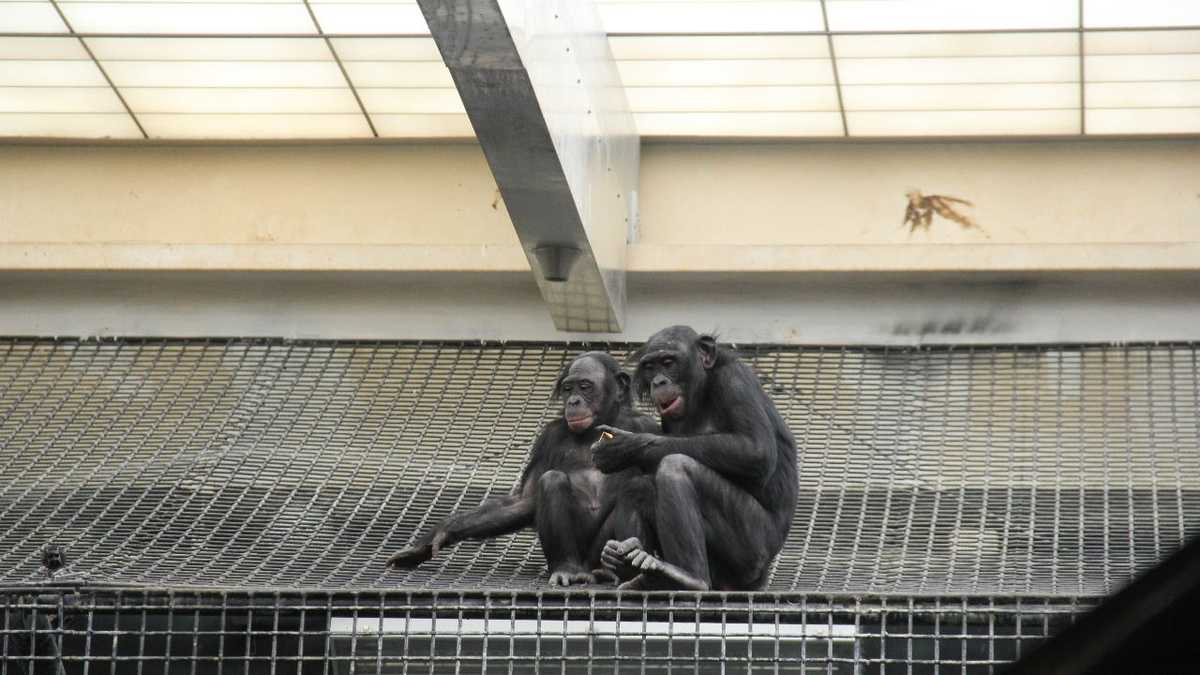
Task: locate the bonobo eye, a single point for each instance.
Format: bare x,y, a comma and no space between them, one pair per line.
585,385
667,361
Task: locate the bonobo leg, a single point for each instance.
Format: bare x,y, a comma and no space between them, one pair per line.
629,502
702,516
566,522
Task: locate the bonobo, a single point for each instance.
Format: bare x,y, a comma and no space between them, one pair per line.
574,507
724,472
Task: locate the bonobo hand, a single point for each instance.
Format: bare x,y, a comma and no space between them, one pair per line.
423,549
623,450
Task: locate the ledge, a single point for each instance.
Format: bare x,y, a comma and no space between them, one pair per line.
657,258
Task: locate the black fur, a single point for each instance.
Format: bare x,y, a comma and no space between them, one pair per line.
724,468
574,507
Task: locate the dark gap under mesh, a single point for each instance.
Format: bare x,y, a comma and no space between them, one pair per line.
519,632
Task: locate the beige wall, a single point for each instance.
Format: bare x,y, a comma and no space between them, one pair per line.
718,207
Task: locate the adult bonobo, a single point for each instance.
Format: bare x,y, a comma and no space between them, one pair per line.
574,507
724,472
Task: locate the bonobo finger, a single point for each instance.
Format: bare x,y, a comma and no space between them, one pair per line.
613,430
629,544
409,557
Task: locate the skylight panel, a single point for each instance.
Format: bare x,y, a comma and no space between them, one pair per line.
366,17
725,72
963,123
1143,13
50,87
1143,82
891,15
219,18
966,70
710,16
740,124
218,126
30,17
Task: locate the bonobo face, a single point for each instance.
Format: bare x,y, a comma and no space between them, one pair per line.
672,369
584,392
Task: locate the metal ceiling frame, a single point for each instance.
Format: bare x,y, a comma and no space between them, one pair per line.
1079,29
542,91
103,73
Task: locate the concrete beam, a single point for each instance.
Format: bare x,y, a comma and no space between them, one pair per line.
543,94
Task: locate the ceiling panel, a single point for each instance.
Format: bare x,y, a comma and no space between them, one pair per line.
966,70
915,97
732,99
712,16
222,126
963,123
1120,13
29,17
358,17
188,17
103,125
690,67
800,124
1144,121
875,15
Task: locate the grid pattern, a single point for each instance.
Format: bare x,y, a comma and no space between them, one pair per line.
1001,471
112,632
780,68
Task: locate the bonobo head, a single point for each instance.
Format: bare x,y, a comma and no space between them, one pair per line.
673,367
593,389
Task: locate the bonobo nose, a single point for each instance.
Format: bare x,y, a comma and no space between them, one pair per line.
660,380
575,401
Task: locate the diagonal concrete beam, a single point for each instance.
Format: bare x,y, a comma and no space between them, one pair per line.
541,88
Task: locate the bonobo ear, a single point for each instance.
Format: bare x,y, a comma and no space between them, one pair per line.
707,345
623,391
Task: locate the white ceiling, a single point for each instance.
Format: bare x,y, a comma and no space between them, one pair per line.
148,68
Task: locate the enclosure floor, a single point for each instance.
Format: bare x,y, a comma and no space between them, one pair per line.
249,464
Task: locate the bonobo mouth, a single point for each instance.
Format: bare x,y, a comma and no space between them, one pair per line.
670,408
579,423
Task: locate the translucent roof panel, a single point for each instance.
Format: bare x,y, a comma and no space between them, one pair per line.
892,15
51,87
712,16
960,84
691,68
232,87
1143,82
404,87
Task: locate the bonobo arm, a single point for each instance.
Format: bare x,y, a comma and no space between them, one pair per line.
746,449
492,518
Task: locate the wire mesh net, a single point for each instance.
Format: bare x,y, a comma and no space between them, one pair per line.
1049,471
407,632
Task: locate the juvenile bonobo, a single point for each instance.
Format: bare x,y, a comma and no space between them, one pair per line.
724,472
574,507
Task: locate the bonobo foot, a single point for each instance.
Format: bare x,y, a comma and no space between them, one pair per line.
568,575
628,558
606,576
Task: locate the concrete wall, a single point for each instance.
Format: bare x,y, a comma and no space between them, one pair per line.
734,207
1085,241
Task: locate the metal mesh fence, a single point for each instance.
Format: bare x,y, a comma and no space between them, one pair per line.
516,632
1044,471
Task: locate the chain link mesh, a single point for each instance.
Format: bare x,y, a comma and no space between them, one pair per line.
252,464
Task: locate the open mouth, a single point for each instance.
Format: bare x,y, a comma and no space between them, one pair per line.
670,408
579,423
